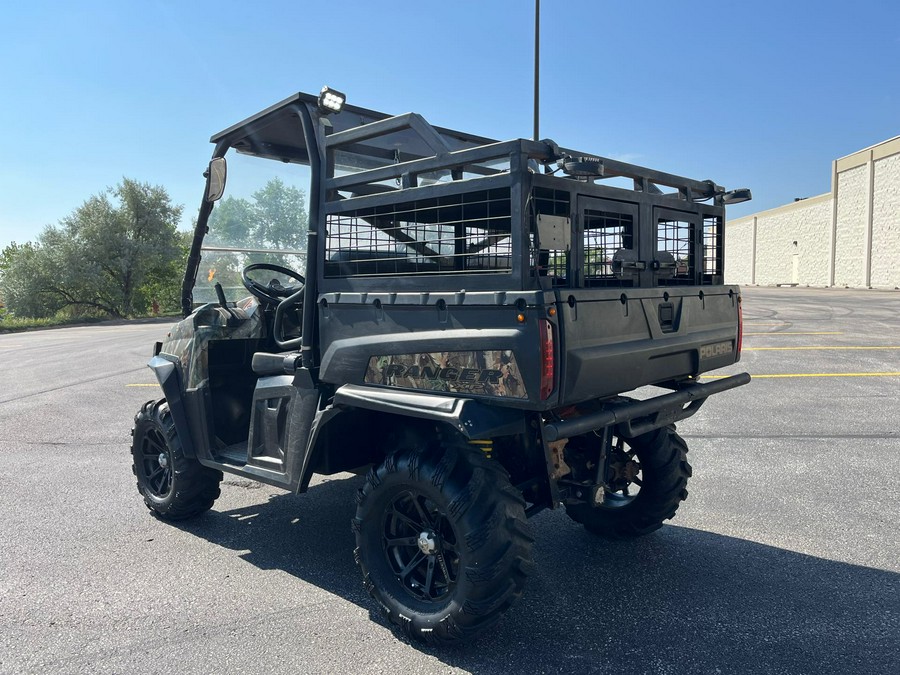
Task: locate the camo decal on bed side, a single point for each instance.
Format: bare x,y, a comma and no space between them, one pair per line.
483,373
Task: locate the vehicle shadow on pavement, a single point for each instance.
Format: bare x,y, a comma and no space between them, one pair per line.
678,600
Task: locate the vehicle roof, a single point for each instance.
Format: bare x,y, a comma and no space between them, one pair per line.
275,133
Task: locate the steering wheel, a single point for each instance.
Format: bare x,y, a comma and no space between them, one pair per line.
273,292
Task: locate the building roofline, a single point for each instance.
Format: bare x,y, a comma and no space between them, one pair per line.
871,147
791,206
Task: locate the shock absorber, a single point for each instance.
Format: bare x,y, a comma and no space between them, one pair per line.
485,445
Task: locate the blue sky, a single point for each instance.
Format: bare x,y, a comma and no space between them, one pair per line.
761,94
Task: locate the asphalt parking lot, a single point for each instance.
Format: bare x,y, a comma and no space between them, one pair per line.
784,559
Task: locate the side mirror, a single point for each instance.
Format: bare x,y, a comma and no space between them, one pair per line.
215,179
737,196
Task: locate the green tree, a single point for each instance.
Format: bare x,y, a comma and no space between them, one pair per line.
108,256
164,286
231,223
23,268
274,217
281,219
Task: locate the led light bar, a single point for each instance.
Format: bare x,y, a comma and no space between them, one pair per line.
331,101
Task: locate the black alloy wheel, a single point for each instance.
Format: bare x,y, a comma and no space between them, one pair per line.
156,464
420,546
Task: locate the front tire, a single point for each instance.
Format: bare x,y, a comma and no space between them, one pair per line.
173,486
648,476
442,541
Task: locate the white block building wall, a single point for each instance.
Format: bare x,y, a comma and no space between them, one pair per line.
850,234
739,247
886,223
847,237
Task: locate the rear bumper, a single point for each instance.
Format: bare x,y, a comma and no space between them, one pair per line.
634,418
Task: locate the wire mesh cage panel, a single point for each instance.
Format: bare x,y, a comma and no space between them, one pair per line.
713,250
677,237
551,202
467,233
553,264
604,233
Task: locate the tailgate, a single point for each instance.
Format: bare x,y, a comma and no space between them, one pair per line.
614,341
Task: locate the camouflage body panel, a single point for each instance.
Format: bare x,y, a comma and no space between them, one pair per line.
188,340
479,373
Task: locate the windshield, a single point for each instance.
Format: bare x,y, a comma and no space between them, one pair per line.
262,217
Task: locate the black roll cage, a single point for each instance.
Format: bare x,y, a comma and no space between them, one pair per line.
425,149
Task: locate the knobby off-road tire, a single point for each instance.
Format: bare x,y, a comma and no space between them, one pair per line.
664,473
173,486
442,541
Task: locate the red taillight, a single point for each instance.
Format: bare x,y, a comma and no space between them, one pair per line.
548,363
740,340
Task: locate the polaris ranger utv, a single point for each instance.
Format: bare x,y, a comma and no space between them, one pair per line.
459,327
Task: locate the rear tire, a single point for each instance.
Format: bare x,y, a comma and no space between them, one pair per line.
661,456
442,541
173,486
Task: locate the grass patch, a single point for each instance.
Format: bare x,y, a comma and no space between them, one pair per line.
13,324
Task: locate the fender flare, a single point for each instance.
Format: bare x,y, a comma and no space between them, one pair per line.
473,419
168,373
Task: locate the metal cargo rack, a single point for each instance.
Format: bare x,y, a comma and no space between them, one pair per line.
434,208
440,210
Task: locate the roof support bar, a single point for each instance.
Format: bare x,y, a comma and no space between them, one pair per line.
412,121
